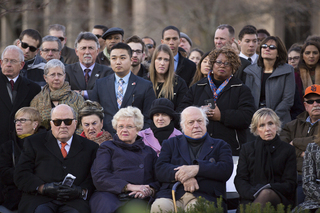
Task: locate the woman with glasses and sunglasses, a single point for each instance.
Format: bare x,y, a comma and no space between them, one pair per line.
228,102
91,119
27,122
271,80
166,84
123,171
56,91
309,64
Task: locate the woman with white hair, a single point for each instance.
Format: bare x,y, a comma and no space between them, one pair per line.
56,91
267,167
123,171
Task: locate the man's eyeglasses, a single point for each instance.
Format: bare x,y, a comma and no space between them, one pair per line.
137,51
98,36
48,50
12,61
149,46
25,46
226,64
58,122
312,101
22,120
271,47
294,58
61,39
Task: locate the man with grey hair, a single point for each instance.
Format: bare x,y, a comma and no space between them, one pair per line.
16,91
68,54
54,167
51,48
202,164
83,74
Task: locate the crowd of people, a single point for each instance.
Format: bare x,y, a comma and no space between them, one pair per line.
113,124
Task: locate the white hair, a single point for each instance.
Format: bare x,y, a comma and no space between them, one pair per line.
13,47
184,112
129,112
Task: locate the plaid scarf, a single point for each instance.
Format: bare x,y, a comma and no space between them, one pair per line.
216,91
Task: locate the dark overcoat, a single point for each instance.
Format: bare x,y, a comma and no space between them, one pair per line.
115,167
41,162
185,69
215,167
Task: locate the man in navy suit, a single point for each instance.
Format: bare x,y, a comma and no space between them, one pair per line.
123,88
83,74
45,161
16,91
202,164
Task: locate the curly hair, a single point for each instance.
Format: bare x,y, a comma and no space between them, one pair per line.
231,55
91,108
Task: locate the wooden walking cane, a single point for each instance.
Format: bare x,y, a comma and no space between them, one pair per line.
173,195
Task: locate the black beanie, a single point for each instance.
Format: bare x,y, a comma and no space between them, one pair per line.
162,105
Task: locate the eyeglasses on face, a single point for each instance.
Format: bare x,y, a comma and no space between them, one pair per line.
58,122
53,75
127,127
149,46
271,47
294,58
48,50
226,64
98,36
25,46
21,120
312,101
12,61
137,51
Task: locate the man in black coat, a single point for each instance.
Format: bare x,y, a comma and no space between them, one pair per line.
16,91
83,74
182,66
202,164
133,91
46,160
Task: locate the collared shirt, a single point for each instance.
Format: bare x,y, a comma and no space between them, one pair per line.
67,147
84,67
14,79
254,58
309,121
125,83
176,60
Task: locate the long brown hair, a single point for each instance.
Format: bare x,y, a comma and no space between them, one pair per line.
167,88
198,75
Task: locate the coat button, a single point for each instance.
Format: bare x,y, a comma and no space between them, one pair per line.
210,134
141,166
212,160
64,167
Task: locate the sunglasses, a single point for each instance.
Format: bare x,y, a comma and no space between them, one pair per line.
98,36
271,47
61,39
25,46
58,122
312,101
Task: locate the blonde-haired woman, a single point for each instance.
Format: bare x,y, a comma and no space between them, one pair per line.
165,83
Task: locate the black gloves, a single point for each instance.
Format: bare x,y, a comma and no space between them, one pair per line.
69,193
51,189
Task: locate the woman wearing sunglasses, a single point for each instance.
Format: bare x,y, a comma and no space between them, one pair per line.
27,121
56,91
271,80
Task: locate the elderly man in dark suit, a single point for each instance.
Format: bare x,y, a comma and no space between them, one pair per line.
46,160
182,66
16,91
83,74
202,164
123,88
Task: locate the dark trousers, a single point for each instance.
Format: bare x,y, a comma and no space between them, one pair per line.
55,207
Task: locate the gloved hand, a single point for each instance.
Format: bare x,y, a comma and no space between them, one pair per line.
51,189
66,193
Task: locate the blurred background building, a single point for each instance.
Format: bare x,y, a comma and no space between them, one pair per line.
292,20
